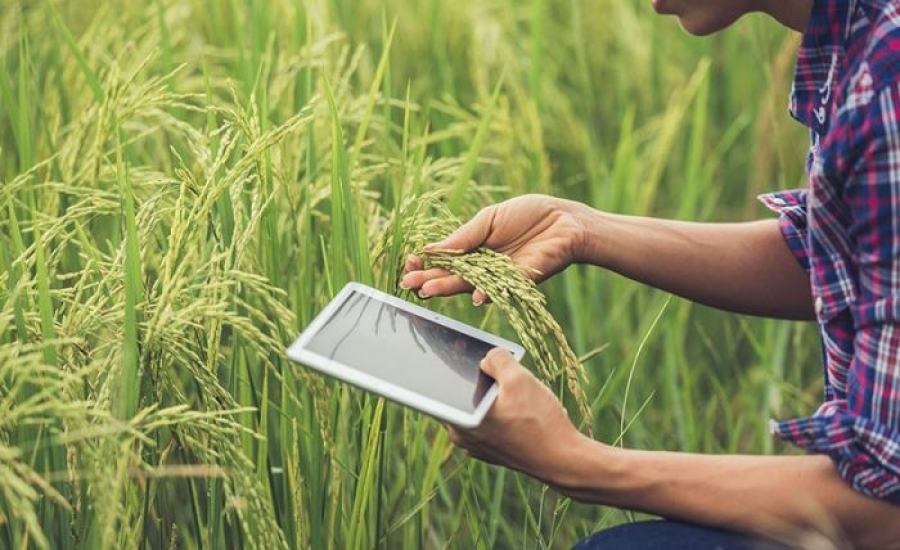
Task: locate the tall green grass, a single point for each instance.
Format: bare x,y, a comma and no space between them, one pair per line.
184,184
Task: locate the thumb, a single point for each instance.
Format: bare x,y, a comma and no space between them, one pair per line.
468,236
499,363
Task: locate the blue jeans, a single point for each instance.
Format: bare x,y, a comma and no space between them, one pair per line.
672,535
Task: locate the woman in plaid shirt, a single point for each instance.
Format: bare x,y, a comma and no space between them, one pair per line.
833,255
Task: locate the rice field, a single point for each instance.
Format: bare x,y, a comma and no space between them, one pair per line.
184,184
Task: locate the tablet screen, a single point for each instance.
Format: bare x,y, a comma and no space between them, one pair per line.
405,349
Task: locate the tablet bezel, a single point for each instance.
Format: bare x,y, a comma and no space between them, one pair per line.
299,353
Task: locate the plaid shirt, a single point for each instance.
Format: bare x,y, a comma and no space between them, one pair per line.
845,231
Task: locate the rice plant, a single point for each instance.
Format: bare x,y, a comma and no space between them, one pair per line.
184,184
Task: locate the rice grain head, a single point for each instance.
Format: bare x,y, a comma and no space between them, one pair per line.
426,220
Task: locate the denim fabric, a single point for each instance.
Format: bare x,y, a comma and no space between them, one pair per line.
671,535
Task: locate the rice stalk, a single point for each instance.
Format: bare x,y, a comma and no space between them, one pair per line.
425,220
36,399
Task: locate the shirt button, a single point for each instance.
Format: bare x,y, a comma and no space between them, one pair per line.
819,305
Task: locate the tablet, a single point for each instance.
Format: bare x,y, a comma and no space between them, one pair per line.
403,352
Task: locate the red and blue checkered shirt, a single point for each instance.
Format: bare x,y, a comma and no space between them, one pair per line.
845,231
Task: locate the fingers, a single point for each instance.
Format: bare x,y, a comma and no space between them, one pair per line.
434,282
413,263
465,442
479,297
499,364
453,434
440,282
470,235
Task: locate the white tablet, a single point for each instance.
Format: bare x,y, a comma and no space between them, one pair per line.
403,352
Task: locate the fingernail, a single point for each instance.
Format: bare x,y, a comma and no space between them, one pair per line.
423,294
477,303
403,286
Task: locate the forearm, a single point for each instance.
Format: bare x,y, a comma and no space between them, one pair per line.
774,496
740,267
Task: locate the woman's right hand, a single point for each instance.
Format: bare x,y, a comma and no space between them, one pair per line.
542,233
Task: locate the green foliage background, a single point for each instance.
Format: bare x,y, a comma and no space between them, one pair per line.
183,184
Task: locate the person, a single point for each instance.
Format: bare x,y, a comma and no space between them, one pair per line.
832,254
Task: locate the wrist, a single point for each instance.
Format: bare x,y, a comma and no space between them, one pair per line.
590,242
587,468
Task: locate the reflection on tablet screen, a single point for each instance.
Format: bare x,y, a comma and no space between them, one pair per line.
406,350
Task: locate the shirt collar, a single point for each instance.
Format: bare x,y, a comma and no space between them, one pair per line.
818,61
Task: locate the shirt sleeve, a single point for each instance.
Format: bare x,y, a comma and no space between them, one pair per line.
791,209
861,433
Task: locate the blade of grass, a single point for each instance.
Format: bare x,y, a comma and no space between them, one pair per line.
637,356
15,274
372,97
165,40
341,200
89,75
345,214
56,457
11,111
538,18
45,300
366,487
461,186
494,513
129,389
26,159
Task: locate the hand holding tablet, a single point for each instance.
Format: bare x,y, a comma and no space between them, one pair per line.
403,352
